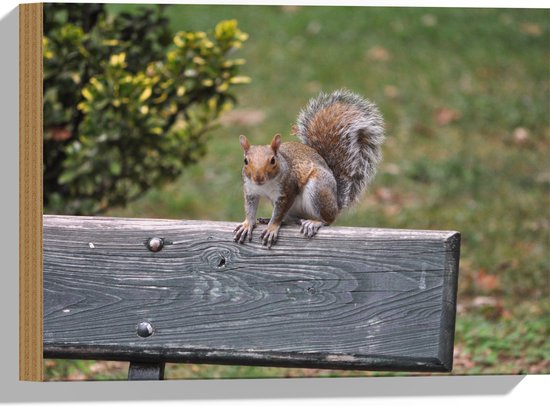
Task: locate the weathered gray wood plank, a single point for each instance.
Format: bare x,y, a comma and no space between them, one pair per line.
349,298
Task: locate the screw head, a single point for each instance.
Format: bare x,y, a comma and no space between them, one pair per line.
144,329
155,244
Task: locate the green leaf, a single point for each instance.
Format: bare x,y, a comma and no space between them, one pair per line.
146,94
87,94
115,168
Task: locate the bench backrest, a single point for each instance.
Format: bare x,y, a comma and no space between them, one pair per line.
183,291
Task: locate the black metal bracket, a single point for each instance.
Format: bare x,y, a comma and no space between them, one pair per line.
146,371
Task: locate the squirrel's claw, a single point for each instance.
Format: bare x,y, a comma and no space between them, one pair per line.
269,236
243,231
310,227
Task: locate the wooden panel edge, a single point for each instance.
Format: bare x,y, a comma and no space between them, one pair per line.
249,358
448,315
30,192
55,220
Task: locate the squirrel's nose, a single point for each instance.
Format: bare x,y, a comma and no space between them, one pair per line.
259,179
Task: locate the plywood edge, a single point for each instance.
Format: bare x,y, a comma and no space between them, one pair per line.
30,192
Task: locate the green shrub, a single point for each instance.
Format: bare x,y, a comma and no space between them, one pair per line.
126,102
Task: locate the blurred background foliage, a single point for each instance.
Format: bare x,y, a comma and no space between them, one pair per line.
465,94
127,102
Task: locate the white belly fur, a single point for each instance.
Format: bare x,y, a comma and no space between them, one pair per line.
270,189
302,208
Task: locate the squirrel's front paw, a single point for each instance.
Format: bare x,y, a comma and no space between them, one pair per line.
242,231
269,236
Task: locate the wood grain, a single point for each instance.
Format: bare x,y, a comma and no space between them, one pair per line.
30,192
349,298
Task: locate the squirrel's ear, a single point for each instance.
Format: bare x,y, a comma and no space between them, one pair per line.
244,143
276,143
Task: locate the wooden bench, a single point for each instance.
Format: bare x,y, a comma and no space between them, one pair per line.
156,291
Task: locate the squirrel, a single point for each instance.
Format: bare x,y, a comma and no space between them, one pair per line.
311,181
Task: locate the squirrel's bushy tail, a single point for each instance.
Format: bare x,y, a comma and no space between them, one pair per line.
347,131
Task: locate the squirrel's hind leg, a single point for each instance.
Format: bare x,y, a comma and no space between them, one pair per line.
317,205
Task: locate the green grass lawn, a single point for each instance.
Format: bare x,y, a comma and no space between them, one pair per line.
465,95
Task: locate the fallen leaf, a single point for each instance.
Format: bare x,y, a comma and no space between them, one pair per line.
243,117
540,367
314,27
507,314
445,115
385,194
379,53
506,19
50,363
461,359
58,134
485,281
77,376
392,169
429,20
391,91
290,9
531,29
108,367
520,135
392,210
480,301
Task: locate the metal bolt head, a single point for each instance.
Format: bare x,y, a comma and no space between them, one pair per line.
144,329
155,244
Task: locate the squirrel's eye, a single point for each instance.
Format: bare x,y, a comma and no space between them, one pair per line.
273,160
246,161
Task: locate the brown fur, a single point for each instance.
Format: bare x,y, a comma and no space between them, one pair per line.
325,130
347,131
303,160
329,206
259,157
